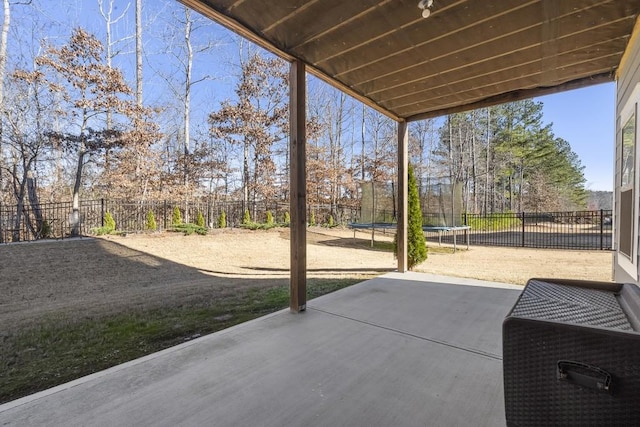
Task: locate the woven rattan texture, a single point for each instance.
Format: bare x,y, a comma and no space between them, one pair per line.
534,396
551,301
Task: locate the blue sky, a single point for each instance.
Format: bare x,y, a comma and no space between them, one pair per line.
586,119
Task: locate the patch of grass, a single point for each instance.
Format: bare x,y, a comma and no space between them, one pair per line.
444,249
494,222
101,231
258,225
188,229
60,350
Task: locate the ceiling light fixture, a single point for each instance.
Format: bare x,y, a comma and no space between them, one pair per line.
425,5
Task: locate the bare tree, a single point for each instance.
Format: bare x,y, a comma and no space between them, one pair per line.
89,89
24,133
3,65
179,37
257,120
4,38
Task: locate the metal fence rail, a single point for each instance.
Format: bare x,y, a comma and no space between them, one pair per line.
585,230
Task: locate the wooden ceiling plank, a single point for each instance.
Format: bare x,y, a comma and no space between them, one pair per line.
511,63
367,44
431,101
308,24
467,65
261,14
519,83
512,97
335,14
320,38
294,10
569,73
465,30
394,16
524,39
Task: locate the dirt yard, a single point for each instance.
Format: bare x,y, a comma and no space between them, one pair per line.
93,277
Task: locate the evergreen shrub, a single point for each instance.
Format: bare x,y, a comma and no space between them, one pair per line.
200,220
108,227
109,222
416,242
417,245
222,220
176,218
151,221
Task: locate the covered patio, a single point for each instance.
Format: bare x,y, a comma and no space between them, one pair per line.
401,349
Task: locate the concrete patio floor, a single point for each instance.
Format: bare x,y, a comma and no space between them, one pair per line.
398,350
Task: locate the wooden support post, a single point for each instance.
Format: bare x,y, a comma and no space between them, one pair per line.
298,187
403,194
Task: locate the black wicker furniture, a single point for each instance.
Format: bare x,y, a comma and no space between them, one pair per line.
571,355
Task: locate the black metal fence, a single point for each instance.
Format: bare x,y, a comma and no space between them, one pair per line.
560,230
591,230
53,220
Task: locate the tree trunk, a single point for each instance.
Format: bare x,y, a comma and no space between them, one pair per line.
75,215
362,151
187,92
511,192
34,202
245,175
139,53
487,188
474,188
18,191
3,66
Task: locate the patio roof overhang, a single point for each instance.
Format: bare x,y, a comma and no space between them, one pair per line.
465,55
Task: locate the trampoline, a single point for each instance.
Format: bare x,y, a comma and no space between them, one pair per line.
441,199
440,229
453,229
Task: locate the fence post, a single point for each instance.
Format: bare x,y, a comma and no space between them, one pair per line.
522,216
601,229
465,219
102,212
164,215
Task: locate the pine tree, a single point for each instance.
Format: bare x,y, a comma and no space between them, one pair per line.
176,219
200,220
222,220
416,244
151,222
109,223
